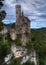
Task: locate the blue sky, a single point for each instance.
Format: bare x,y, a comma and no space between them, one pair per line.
35,10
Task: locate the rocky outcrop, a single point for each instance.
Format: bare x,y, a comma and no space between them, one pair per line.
18,51
4,31
24,39
13,34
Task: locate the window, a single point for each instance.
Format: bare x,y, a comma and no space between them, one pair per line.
23,19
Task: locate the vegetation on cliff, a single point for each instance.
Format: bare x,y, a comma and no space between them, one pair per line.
38,42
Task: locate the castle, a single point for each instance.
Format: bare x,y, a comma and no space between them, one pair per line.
22,24
21,27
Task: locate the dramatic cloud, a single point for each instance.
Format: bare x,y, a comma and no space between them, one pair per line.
35,10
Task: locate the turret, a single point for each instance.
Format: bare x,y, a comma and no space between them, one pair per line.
18,12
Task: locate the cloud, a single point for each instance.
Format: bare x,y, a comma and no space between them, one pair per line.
38,24
35,10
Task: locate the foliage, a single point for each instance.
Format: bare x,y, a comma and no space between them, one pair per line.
15,62
1,4
4,49
28,63
18,41
40,44
7,44
2,13
30,45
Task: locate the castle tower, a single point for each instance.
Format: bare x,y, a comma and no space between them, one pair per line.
18,12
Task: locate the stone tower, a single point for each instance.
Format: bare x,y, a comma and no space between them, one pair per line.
18,12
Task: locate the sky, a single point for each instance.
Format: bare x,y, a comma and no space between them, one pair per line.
35,10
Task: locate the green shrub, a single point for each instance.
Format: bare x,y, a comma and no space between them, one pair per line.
18,41
29,63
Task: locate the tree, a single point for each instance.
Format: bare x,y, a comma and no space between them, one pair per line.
18,41
2,13
3,51
29,63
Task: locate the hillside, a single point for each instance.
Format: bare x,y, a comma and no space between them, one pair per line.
38,40
39,34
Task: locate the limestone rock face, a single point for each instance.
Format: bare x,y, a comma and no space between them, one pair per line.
4,31
18,51
24,39
12,34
